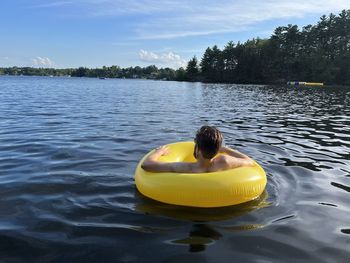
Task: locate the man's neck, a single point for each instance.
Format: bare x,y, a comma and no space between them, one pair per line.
204,162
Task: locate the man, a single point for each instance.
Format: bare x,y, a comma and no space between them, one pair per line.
207,145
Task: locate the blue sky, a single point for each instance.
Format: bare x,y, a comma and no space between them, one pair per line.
93,33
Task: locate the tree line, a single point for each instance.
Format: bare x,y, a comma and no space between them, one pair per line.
150,72
315,53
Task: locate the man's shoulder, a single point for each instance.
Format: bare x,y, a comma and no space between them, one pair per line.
222,159
222,162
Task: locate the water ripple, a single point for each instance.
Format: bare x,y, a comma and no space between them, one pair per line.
69,148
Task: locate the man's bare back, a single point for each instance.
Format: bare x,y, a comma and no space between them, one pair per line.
211,156
228,160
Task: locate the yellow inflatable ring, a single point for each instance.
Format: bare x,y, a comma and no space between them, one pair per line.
216,189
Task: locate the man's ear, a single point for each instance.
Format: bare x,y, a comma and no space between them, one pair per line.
199,153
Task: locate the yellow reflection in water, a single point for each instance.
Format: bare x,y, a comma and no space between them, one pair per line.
202,234
149,206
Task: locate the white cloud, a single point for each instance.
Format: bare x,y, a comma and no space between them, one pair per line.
54,4
43,61
16,60
169,19
178,18
232,16
168,59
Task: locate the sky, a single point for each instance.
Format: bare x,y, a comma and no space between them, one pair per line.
94,33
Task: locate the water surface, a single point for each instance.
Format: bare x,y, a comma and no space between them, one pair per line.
69,148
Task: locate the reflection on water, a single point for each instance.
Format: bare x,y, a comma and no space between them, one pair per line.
197,214
201,234
341,186
69,148
199,237
345,231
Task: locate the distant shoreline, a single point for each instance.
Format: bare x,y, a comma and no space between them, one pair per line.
223,83
150,72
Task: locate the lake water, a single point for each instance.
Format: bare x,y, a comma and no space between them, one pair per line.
69,148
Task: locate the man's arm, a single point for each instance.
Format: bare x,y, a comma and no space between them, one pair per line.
151,163
234,158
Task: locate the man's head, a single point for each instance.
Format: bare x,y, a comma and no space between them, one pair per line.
208,141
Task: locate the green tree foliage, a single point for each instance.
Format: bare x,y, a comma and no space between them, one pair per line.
318,52
180,74
230,62
192,70
212,65
150,72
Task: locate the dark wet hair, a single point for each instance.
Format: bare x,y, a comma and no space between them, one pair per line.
208,140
